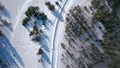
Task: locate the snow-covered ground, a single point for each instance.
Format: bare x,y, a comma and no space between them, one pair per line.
19,37
22,42
13,7
54,31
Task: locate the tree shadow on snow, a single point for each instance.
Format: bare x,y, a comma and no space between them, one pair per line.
39,24
6,24
45,37
10,27
27,27
5,12
43,44
58,15
43,63
47,23
45,58
8,54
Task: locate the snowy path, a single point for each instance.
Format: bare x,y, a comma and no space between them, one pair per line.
22,42
26,5
56,37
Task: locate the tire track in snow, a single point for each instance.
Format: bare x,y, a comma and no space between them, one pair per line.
26,5
57,23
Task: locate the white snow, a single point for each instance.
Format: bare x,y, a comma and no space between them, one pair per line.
12,7
54,31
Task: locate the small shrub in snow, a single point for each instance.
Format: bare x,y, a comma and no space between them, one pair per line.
47,3
36,38
1,33
56,3
41,31
40,51
67,19
63,45
31,33
5,22
25,20
50,6
43,16
1,7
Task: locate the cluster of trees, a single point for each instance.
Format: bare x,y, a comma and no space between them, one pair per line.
35,33
75,29
115,4
50,6
110,21
77,26
33,12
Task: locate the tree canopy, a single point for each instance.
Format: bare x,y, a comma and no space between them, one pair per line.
50,6
32,11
